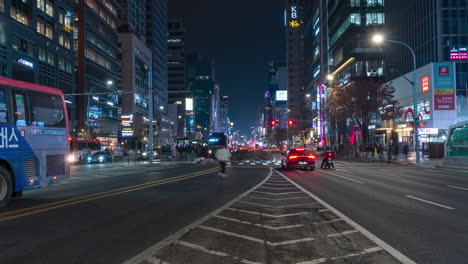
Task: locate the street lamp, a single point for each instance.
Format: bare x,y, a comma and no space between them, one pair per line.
110,82
380,39
330,77
308,95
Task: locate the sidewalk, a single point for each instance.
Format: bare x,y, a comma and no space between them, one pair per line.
425,161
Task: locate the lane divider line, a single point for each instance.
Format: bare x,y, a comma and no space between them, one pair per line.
429,202
170,239
257,225
456,187
392,251
94,197
100,193
344,177
284,193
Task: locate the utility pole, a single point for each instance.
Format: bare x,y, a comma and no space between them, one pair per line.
150,115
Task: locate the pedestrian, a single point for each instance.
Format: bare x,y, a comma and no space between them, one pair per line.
389,152
372,149
405,151
223,155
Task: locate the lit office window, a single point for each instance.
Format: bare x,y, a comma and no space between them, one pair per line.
375,19
355,18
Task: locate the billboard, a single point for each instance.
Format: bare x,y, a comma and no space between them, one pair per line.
444,86
282,95
425,84
188,104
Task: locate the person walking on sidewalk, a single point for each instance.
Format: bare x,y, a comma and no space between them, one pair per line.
405,150
223,155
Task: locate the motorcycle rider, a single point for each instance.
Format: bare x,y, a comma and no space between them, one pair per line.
328,154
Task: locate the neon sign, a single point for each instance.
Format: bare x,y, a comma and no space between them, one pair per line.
293,12
425,83
460,53
294,24
26,63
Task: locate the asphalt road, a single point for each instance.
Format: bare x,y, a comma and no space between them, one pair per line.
421,212
182,213
109,213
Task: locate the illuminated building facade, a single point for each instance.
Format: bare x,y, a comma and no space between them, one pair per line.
36,43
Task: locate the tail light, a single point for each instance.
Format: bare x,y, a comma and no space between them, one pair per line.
311,157
292,157
329,158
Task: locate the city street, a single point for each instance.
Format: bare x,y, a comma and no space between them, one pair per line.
184,213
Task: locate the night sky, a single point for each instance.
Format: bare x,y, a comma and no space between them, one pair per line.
241,36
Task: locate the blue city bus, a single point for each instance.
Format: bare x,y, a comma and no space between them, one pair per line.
33,137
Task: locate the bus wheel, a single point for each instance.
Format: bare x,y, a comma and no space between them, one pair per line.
6,187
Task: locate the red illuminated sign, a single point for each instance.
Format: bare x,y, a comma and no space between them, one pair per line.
459,53
425,83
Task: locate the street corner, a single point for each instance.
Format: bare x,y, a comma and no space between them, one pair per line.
275,222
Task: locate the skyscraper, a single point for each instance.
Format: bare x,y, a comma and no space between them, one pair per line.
98,69
295,57
223,114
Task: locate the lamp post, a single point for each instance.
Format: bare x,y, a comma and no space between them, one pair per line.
381,39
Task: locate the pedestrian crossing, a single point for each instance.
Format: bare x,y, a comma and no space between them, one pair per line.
257,163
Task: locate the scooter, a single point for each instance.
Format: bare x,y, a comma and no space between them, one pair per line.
329,164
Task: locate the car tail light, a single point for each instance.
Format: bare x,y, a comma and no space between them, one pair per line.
329,158
293,157
300,149
311,157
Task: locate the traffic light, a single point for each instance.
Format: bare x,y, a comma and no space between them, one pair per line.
273,123
291,122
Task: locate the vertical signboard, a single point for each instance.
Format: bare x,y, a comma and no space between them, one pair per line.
444,86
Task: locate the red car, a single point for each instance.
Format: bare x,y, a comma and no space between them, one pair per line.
298,158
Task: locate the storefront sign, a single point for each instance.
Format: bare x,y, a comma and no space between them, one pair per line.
25,63
402,125
425,84
444,86
428,131
371,127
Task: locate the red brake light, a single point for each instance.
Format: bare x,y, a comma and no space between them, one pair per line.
292,157
300,149
311,157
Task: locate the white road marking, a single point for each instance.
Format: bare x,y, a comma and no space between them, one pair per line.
294,205
329,221
365,251
374,172
284,193
456,187
168,240
324,210
279,199
323,260
344,177
429,202
342,233
253,239
257,204
395,253
300,171
278,184
212,252
203,249
265,214
258,225
277,188
154,260
80,178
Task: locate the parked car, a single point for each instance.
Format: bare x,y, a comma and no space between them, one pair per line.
298,158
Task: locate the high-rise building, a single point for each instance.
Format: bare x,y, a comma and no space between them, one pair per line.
295,57
36,43
436,30
156,38
177,81
223,114
98,69
201,81
136,70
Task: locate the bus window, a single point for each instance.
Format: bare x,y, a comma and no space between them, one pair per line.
3,107
20,108
46,110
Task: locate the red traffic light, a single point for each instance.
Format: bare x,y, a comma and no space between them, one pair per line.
291,122
273,122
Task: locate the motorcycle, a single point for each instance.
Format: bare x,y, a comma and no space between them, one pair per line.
329,163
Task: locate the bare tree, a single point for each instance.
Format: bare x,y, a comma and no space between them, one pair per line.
358,101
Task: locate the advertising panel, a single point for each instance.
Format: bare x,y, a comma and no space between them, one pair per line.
188,104
282,95
425,84
444,86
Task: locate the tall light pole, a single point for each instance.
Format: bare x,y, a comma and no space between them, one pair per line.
150,115
381,39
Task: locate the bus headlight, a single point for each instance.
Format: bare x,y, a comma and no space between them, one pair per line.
71,158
